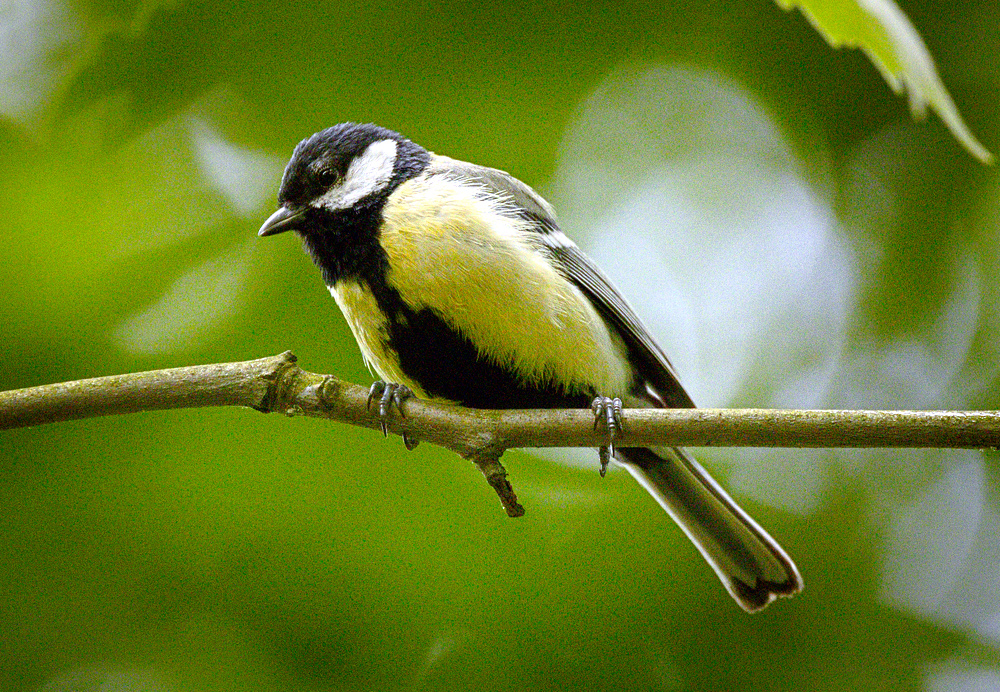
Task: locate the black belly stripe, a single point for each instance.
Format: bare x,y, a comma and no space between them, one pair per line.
446,364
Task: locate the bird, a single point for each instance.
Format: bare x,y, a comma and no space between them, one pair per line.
459,285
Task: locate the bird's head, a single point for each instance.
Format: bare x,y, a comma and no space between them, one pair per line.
342,169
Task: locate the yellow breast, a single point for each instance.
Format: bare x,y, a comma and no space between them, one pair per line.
455,251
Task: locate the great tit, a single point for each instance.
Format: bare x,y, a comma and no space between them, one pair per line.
458,284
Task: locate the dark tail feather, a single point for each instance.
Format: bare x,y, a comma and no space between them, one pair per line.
751,564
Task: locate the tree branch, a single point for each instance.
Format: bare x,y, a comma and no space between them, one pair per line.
277,384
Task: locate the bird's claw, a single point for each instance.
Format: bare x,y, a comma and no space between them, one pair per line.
610,412
390,394
410,443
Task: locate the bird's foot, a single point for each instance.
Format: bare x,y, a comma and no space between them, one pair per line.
390,394
610,412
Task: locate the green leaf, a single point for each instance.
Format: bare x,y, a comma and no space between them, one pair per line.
880,29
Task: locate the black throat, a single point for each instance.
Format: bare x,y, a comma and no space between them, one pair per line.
344,244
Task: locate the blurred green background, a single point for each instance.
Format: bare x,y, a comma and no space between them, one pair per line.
791,236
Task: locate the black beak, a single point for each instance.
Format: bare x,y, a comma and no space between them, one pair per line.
281,221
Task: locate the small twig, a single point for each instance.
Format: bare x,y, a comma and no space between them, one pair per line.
496,476
277,384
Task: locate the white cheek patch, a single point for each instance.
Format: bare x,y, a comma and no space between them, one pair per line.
367,174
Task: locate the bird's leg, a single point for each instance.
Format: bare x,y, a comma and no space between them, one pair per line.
609,411
390,394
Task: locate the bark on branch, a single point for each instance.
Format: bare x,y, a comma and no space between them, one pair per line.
277,384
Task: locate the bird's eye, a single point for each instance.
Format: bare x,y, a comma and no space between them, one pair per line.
327,177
